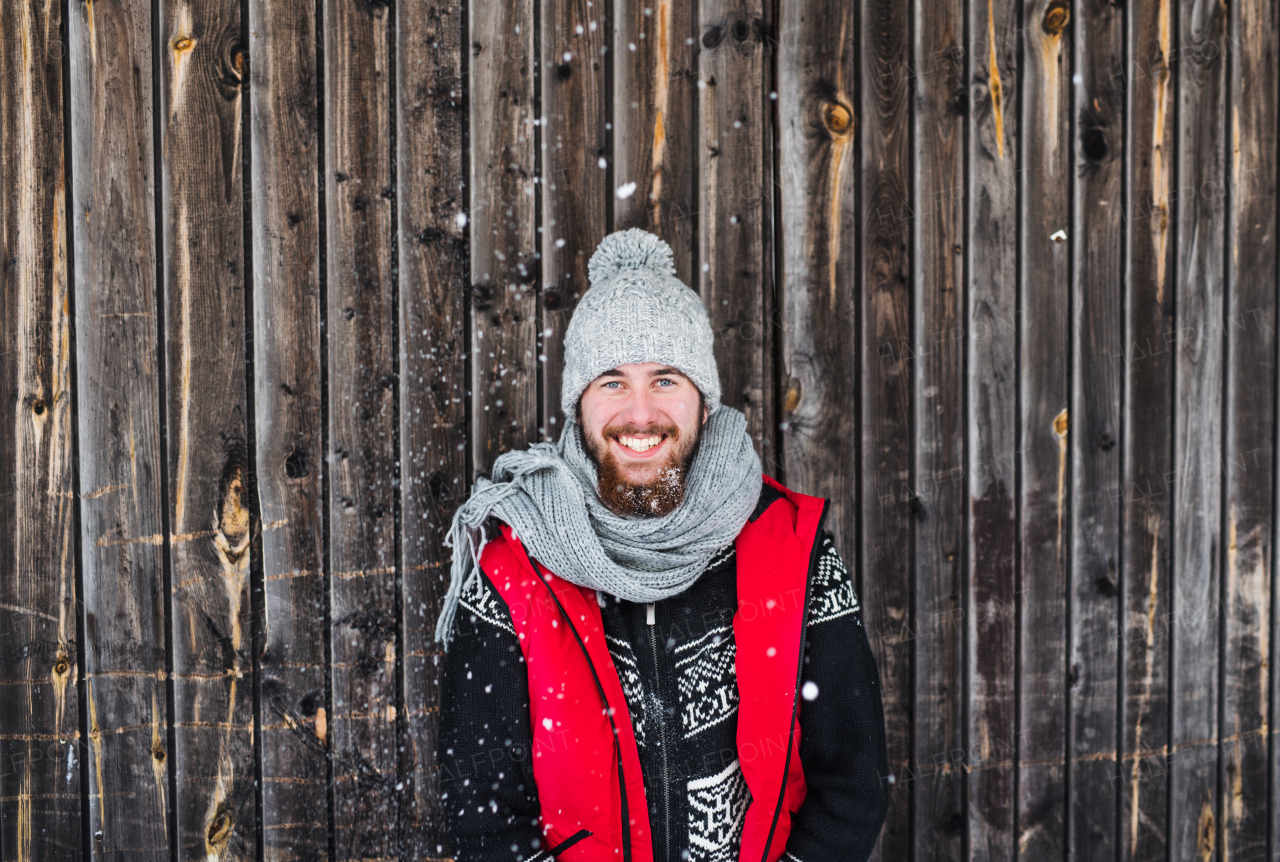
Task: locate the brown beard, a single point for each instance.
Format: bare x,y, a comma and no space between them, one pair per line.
661,494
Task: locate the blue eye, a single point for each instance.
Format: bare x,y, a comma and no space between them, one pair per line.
667,382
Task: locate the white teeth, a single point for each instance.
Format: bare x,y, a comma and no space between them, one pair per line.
639,444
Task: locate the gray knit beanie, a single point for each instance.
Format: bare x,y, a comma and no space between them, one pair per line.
637,311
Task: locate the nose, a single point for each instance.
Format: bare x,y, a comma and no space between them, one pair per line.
641,408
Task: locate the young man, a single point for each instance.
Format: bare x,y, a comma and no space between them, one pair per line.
653,654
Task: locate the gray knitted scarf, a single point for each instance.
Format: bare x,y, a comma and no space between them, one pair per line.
547,495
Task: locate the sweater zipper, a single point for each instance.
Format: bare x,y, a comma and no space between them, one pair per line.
650,618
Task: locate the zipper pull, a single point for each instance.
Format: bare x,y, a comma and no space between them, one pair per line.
648,613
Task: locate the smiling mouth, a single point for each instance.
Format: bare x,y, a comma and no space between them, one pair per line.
639,444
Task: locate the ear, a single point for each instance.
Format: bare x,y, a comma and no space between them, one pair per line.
706,414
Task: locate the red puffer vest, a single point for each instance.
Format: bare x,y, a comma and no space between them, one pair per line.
585,761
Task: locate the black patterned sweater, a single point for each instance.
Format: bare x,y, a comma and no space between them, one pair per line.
675,660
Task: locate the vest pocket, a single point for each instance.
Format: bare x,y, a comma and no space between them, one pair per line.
570,841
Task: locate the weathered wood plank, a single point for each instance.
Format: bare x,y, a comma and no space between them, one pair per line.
887,503
936,366
1044,287
504,245
122,520
1146,496
735,277
289,434
434,260
1198,434
40,660
362,399
817,176
211,510
576,200
991,328
1249,435
1097,241
655,140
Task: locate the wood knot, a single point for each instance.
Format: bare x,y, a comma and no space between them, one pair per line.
159,754
234,514
1207,833
792,400
837,118
37,406
219,830
1056,17
295,463
61,667
184,43
1060,424
1093,143
482,296
429,235
439,488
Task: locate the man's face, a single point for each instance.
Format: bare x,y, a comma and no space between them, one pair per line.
640,423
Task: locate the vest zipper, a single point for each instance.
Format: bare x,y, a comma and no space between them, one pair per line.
661,723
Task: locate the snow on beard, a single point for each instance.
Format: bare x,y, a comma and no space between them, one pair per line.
663,492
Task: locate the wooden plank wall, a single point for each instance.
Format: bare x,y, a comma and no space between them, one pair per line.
278,280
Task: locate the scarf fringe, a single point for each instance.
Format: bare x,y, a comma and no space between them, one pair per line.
467,538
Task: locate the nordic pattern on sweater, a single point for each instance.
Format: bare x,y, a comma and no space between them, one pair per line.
708,697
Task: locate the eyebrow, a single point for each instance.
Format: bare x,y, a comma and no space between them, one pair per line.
660,372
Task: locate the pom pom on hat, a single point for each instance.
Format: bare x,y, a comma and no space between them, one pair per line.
637,311
630,249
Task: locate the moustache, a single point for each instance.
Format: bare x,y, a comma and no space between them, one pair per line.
670,431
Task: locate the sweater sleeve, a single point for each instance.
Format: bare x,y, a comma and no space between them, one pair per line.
488,796
842,738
